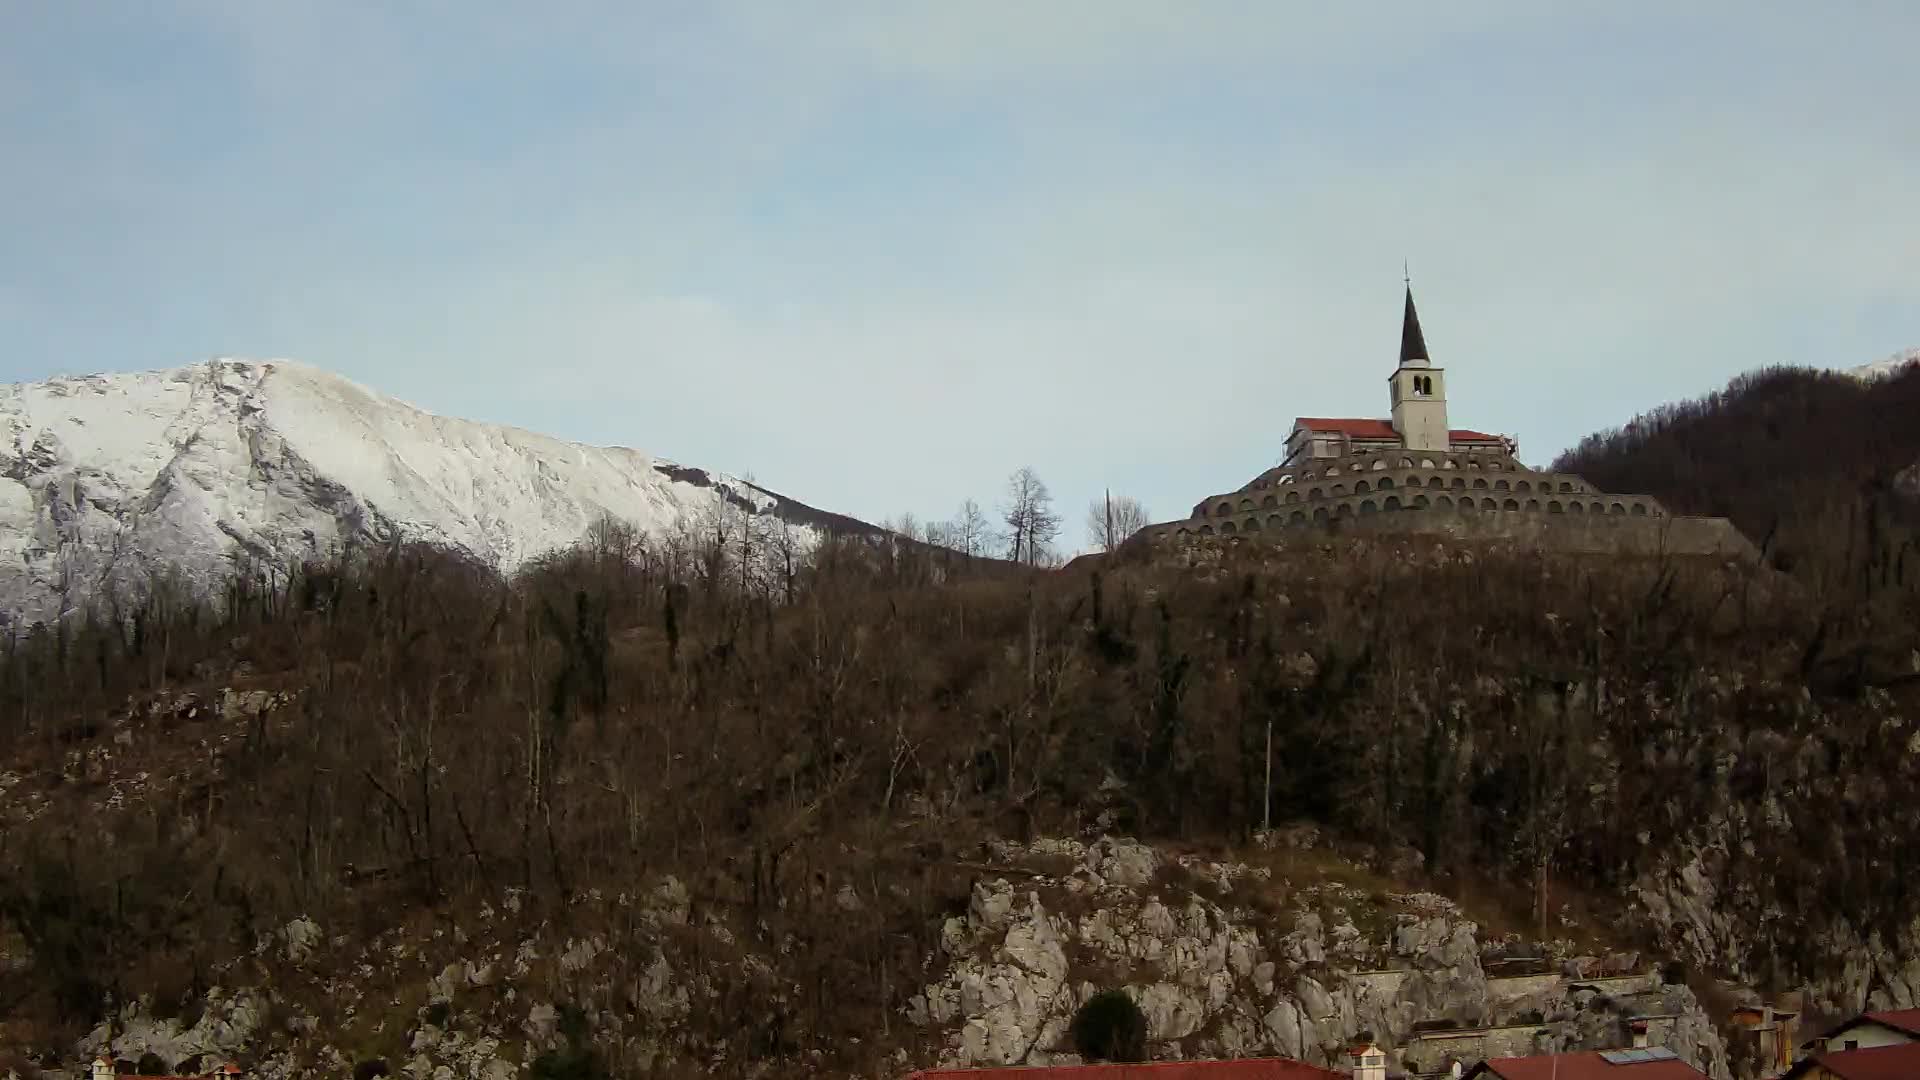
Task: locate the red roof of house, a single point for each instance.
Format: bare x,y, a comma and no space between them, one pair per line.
1907,1020
1238,1069
1357,427
1583,1066
1877,1063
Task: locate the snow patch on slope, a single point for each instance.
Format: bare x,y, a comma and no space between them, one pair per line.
108,479
1880,369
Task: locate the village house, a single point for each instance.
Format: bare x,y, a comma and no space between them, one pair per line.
1896,1027
1766,1033
1235,1069
1639,1063
1894,1062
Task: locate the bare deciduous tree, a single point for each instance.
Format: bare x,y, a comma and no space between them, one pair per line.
1031,521
970,531
1112,519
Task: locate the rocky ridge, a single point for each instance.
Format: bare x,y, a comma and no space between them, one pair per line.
1225,960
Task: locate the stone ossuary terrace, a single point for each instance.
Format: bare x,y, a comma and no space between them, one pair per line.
1414,473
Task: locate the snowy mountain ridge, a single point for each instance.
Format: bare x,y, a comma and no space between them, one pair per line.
1880,369
106,480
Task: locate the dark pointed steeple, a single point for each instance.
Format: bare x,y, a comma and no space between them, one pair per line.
1413,344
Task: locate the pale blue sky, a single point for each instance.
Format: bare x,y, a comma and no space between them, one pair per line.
878,253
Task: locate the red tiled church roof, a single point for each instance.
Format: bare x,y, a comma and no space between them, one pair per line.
1368,428
1241,1069
1583,1066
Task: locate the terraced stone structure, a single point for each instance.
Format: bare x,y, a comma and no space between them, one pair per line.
1414,473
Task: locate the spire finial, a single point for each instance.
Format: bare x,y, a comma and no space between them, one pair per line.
1406,274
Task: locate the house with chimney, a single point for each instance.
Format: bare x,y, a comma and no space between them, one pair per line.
1637,1063
1898,1061
1892,1027
1233,1069
1882,1045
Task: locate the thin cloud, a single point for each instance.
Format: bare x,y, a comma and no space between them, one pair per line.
880,254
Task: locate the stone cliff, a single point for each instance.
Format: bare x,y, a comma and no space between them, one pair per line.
1225,960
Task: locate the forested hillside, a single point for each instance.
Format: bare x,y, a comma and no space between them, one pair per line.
403,745
1811,464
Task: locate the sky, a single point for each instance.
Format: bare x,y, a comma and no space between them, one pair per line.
878,254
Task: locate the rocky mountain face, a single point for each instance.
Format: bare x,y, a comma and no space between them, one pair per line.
109,483
1224,959
1227,961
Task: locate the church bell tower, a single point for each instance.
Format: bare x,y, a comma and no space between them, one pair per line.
1419,389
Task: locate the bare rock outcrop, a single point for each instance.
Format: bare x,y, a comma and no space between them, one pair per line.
1220,970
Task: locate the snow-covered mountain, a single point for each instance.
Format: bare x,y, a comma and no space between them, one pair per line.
1882,368
106,479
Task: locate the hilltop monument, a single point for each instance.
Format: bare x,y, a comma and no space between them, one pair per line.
1415,473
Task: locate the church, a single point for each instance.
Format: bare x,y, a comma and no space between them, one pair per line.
1413,472
1419,418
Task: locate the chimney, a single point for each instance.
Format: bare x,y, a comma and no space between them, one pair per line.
102,1069
1369,1062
